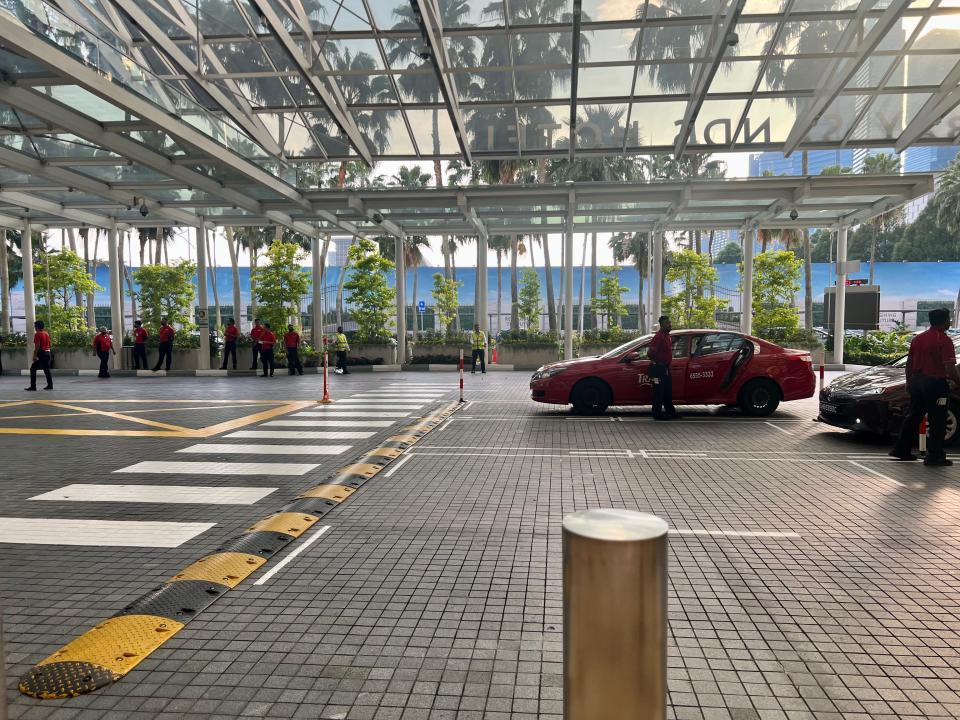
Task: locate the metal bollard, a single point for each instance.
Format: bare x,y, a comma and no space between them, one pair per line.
922,439
461,374
3,672
614,615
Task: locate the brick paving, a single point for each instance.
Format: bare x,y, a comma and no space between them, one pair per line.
437,591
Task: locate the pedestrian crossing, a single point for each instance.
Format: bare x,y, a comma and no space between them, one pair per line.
291,446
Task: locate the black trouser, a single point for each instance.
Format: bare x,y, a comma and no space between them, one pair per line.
229,348
166,351
43,363
256,356
928,396
342,361
140,356
104,356
293,361
482,355
662,391
266,359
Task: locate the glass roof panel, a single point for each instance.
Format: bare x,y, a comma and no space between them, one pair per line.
658,121
385,132
601,126
609,46
217,17
736,76
442,140
602,10
769,120
84,101
341,15
123,173
605,82
14,65
664,78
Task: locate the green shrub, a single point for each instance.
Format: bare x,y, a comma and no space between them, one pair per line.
876,348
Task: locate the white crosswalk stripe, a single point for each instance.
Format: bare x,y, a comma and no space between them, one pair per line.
328,410
302,434
330,423
175,494
246,449
163,467
117,533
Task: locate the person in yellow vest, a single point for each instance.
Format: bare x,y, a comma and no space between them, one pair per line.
342,347
479,339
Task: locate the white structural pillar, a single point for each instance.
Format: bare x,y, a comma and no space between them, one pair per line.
482,280
116,294
840,296
317,314
746,301
656,279
568,295
29,307
203,320
401,274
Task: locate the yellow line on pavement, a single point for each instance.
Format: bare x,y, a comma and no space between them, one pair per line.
257,417
121,416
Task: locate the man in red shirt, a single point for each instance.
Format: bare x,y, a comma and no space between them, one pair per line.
255,333
165,336
661,356
103,345
41,357
139,345
267,341
230,334
931,364
291,341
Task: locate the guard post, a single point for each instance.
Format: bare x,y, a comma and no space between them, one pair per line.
614,615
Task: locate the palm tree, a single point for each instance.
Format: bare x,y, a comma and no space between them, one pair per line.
947,197
499,244
413,178
252,239
880,164
634,246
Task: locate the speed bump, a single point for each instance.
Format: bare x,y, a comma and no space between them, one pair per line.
111,649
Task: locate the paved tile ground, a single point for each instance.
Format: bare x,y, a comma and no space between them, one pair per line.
437,591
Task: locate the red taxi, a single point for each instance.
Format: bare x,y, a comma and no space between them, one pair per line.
710,367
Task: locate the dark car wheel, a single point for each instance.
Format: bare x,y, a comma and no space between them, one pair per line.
591,397
759,398
953,424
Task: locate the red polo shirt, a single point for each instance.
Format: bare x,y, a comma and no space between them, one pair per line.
661,348
41,340
139,336
103,342
166,333
267,339
291,339
256,333
230,333
929,351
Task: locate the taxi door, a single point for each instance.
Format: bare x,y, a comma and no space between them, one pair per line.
631,379
710,363
678,367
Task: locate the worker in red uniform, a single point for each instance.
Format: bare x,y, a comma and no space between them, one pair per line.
255,333
103,346
267,341
931,365
165,336
661,356
291,341
230,334
42,356
139,345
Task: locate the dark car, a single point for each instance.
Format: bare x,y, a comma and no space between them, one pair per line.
875,400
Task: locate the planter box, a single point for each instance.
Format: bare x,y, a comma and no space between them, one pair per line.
421,349
525,358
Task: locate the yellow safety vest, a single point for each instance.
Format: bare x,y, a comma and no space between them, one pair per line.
479,340
342,344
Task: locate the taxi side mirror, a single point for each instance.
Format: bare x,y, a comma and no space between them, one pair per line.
631,357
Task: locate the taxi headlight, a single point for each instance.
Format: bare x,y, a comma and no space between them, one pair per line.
547,372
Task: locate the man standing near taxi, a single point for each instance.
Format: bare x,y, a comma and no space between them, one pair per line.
42,357
103,345
139,346
267,341
661,355
479,341
255,333
291,342
230,334
931,365
165,336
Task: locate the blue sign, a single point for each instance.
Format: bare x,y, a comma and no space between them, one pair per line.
422,306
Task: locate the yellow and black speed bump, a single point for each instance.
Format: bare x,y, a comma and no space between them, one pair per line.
113,648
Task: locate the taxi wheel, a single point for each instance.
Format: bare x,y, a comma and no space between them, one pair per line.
953,424
759,398
591,397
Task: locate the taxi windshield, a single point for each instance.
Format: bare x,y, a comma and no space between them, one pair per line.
619,350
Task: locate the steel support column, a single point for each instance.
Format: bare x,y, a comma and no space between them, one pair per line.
29,305
656,281
840,296
116,294
316,314
568,293
401,272
746,301
481,316
203,320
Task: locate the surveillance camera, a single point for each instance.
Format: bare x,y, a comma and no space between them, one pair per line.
377,218
425,54
794,214
144,210
733,39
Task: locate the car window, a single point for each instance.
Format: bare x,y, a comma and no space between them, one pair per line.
713,343
681,346
635,344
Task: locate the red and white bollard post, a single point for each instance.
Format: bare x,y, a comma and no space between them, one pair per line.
326,390
922,440
822,376
461,374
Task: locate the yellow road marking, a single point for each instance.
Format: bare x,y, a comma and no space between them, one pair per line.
256,417
121,416
15,403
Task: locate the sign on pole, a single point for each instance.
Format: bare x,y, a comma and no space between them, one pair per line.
202,317
421,306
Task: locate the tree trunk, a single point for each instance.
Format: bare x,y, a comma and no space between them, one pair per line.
72,237
807,264
238,314
710,246
253,279
698,242
212,260
641,315
166,253
514,309
4,286
159,246
593,277
499,291
417,321
551,297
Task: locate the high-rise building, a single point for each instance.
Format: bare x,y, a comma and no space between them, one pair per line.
774,163
928,158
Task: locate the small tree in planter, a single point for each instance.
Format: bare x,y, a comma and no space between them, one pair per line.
370,297
776,281
57,278
529,306
609,301
281,284
166,292
691,307
447,300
